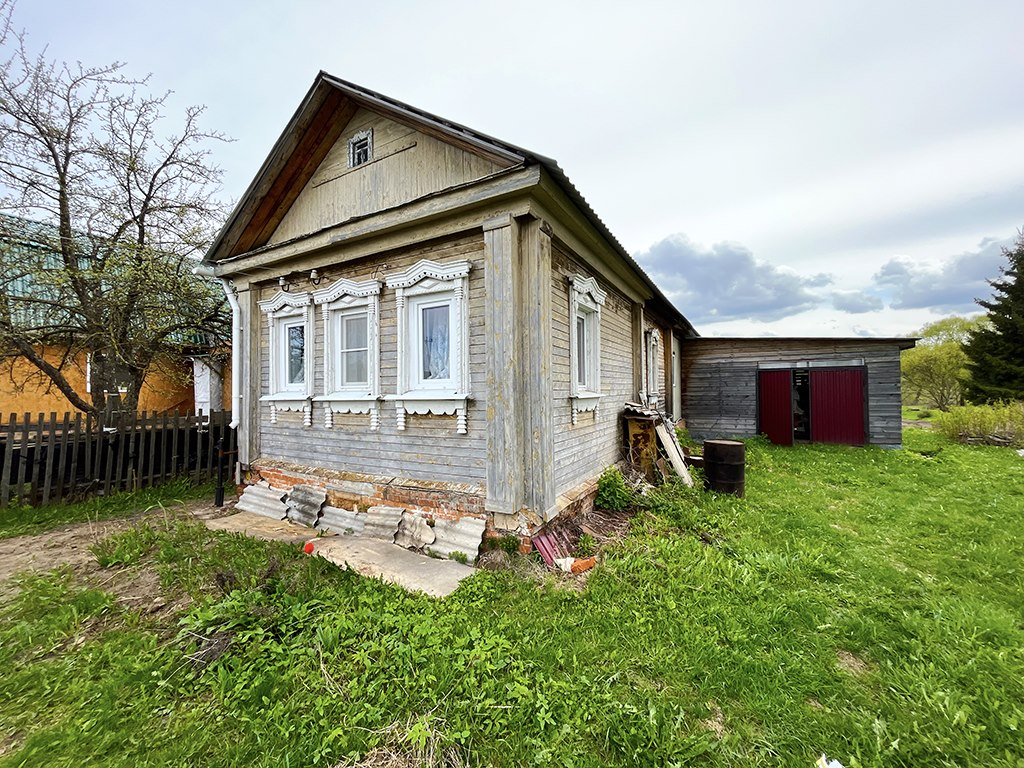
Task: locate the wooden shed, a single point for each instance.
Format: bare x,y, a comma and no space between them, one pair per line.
824,390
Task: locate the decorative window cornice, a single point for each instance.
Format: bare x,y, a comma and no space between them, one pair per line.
587,286
344,287
281,299
426,268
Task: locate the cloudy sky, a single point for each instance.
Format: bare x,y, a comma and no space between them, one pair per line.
797,168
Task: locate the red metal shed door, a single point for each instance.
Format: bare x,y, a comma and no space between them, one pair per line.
775,405
837,406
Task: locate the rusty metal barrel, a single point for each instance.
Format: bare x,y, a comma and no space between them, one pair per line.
725,464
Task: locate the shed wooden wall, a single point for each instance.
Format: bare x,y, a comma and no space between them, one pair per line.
720,383
595,442
429,448
406,165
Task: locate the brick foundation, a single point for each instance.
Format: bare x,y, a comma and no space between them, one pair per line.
348,489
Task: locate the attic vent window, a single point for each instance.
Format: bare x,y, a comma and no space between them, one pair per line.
360,148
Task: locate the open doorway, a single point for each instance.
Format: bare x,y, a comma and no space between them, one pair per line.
801,405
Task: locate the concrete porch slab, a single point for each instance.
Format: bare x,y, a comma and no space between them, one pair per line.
260,527
383,560
367,557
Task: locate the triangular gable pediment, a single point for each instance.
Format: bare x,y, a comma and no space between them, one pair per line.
292,193
404,164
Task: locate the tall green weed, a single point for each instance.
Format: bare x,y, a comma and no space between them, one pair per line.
996,424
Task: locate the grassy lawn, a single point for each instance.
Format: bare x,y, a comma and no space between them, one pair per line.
917,412
25,520
863,603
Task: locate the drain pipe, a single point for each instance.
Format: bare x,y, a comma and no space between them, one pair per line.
205,270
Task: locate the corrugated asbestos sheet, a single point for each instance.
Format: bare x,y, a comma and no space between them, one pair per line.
341,521
263,500
382,523
414,532
462,535
304,504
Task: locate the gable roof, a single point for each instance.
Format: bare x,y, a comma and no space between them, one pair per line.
316,126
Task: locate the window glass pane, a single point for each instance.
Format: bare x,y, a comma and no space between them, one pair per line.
581,350
296,354
435,330
355,367
355,332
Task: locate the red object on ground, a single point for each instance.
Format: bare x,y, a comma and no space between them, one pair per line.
308,549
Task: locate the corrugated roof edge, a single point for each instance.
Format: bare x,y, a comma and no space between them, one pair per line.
513,152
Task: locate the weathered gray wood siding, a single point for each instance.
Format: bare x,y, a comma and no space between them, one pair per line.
720,382
428,448
406,165
583,450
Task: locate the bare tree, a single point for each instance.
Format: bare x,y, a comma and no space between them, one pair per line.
105,218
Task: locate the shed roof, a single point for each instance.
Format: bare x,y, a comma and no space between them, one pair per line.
903,342
315,127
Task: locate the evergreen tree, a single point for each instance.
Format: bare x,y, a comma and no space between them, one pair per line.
995,352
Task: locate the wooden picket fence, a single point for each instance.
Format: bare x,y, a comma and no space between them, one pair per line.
48,459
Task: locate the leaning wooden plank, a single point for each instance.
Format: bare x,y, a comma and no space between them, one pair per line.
50,463
5,479
675,457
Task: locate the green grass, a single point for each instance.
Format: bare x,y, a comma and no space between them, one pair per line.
711,636
20,520
918,413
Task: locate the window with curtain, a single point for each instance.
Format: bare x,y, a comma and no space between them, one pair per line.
295,354
435,333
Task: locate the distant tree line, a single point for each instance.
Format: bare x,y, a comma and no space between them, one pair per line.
977,360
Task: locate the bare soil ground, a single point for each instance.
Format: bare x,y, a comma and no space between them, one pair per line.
69,546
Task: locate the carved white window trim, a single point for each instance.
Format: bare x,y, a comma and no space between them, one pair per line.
282,310
585,301
429,281
342,298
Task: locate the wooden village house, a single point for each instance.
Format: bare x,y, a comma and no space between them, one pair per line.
431,318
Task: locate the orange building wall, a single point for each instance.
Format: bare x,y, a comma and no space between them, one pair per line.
24,389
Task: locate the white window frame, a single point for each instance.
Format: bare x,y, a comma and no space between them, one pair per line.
284,310
345,298
585,301
428,283
366,135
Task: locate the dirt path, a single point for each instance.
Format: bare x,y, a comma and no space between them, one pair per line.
69,545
